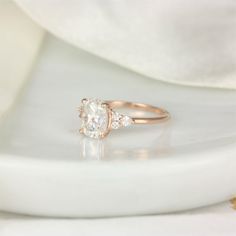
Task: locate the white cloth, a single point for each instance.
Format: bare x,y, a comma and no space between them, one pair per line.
19,43
183,41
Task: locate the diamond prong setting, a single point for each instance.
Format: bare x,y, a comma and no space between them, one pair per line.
81,130
98,118
95,118
84,100
105,105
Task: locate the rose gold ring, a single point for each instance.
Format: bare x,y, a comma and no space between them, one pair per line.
100,117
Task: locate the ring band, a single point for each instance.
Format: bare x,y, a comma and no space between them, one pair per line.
100,117
162,114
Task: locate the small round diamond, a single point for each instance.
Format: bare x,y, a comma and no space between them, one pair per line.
115,125
116,117
119,120
126,121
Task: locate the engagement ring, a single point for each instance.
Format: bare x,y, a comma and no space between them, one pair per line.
100,117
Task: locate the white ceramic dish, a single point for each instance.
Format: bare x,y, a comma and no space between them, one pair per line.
47,168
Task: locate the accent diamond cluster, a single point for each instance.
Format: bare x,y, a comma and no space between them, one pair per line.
119,120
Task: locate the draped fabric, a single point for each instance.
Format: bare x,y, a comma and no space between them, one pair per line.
183,42
19,43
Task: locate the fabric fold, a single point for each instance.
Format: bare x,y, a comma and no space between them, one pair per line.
183,42
19,44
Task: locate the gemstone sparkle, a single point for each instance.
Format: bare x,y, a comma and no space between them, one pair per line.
95,118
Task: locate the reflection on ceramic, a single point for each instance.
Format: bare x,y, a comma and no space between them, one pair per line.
47,168
104,149
92,149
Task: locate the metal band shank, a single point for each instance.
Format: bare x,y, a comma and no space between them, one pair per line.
163,115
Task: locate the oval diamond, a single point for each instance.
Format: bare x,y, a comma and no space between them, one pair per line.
95,118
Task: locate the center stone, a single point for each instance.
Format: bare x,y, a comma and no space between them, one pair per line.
95,118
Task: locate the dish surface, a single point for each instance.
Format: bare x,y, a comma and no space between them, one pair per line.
47,168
